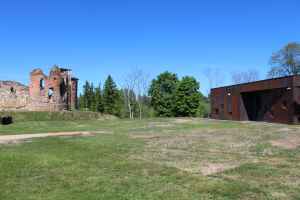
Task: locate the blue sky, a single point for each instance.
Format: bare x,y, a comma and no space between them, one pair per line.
97,38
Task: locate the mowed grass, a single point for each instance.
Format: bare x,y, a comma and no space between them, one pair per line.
66,115
173,158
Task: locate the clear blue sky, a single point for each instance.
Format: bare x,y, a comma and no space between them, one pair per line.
97,38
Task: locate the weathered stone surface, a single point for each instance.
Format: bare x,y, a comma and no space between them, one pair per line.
13,95
52,95
40,97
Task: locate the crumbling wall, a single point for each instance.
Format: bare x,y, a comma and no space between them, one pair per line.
53,92
40,97
74,86
13,95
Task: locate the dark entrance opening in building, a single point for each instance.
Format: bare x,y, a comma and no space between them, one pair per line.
252,103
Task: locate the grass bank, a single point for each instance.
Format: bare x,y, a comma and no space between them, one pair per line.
174,158
32,116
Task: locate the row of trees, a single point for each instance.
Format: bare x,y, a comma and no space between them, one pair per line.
165,96
97,100
132,100
171,97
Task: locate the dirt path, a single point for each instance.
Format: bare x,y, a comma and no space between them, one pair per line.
4,139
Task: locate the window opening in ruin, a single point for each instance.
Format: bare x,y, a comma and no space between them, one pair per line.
50,93
62,90
73,88
222,106
11,89
54,78
42,85
230,114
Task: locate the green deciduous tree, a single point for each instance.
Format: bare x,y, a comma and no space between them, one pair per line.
110,97
204,107
186,97
161,93
285,62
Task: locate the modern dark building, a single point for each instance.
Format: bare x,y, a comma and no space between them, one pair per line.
273,100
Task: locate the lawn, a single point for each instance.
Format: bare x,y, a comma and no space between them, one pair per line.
157,158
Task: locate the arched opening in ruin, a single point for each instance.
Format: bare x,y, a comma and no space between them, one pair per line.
62,89
42,84
50,93
12,90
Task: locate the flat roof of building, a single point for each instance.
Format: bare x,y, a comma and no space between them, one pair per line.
256,81
64,69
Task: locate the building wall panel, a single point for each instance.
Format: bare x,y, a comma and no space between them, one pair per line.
274,100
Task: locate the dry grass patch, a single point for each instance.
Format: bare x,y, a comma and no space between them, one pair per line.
216,167
192,121
289,141
15,139
216,138
146,134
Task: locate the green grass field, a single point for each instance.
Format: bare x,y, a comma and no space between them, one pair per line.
157,158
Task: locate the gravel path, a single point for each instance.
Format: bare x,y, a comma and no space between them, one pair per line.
4,139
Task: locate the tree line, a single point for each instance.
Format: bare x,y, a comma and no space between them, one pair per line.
140,97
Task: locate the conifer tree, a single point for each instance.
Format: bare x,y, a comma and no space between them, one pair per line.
110,97
98,99
91,98
86,89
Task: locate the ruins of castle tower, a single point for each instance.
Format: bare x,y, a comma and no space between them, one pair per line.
55,92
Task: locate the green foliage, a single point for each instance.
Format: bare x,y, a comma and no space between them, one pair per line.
32,116
161,93
98,106
86,90
91,98
111,97
80,100
203,109
285,62
186,97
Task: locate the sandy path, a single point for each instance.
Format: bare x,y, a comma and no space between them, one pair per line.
4,139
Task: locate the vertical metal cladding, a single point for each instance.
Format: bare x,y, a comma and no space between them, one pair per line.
273,100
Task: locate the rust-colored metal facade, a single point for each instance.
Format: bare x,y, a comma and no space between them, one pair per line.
273,100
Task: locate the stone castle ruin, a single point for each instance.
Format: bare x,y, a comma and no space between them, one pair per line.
55,92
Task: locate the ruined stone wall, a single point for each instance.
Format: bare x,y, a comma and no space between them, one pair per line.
74,86
40,97
52,95
13,95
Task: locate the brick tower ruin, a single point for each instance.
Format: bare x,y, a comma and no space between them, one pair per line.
55,92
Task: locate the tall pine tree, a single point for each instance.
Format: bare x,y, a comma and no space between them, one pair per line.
91,98
110,97
86,89
98,99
